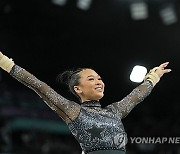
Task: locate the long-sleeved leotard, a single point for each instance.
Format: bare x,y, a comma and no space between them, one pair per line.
94,127
66,109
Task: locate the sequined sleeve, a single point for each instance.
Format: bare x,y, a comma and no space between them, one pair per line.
66,109
131,100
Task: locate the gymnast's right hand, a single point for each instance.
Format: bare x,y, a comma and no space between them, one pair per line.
6,63
1,55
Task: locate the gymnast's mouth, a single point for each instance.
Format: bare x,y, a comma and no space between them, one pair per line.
100,89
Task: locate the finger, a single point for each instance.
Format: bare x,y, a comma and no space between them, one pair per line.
162,66
167,70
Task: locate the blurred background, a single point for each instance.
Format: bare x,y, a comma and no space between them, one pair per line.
47,37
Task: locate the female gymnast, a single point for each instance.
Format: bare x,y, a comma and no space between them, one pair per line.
98,130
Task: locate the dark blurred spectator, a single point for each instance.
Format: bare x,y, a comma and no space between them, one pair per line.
5,137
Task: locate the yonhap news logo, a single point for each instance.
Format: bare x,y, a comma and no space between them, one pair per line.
154,140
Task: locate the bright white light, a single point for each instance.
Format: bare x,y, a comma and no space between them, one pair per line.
84,4
59,2
139,10
138,73
168,15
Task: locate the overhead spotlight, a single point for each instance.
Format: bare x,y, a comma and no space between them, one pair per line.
59,2
168,15
138,73
139,10
84,4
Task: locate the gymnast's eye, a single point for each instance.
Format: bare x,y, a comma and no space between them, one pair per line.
90,79
99,78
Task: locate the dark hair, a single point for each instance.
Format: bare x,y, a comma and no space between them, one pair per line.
70,78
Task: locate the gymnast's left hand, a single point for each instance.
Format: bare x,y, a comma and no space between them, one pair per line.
162,69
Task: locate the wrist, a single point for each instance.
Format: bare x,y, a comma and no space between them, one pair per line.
1,55
6,63
152,76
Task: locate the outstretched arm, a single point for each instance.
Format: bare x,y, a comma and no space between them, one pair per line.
66,109
141,92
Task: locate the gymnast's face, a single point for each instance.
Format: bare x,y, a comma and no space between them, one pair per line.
91,86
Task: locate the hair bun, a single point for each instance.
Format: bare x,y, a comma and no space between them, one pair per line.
64,77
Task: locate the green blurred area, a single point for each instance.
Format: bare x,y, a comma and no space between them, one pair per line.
48,126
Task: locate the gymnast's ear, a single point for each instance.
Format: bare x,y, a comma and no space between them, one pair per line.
77,89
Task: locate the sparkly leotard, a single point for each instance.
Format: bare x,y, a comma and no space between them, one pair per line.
94,127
